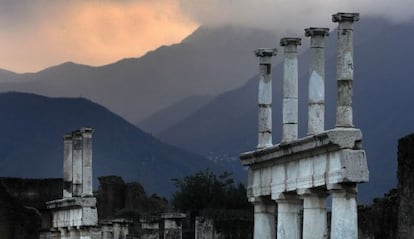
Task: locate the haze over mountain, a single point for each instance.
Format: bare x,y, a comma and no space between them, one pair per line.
383,100
208,62
31,143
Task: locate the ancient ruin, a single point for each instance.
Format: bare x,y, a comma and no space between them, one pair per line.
297,175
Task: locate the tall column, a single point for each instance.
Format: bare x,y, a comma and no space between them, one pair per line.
67,166
290,89
87,161
77,163
265,96
345,68
288,217
315,224
344,222
316,89
264,219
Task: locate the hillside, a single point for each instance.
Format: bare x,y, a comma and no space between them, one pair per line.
31,143
382,102
135,88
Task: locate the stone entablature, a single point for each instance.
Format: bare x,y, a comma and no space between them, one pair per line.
332,157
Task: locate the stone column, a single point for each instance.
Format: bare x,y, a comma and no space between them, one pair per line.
67,166
74,233
314,215
345,68
316,89
87,161
77,163
173,225
288,217
264,219
344,221
290,89
64,233
265,96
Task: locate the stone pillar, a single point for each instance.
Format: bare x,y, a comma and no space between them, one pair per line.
77,163
85,233
290,89
265,96
173,225
288,217
64,233
67,166
344,221
345,68
315,224
87,162
316,89
264,219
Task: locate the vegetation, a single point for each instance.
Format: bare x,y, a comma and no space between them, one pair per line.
204,190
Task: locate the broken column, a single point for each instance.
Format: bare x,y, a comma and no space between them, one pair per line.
290,89
87,161
67,166
316,90
77,163
264,218
345,68
265,96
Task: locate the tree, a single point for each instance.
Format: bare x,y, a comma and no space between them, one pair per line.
204,190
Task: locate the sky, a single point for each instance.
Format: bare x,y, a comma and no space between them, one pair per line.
35,34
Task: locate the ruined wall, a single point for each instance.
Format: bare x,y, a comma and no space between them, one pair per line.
406,187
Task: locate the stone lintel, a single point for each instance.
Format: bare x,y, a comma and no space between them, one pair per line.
75,202
327,141
316,31
265,52
345,17
286,41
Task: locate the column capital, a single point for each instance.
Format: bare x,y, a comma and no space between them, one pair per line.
345,17
265,52
67,137
316,31
86,131
287,41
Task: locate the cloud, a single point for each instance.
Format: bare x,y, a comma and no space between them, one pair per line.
290,15
37,34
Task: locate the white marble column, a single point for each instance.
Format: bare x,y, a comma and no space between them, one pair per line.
67,166
87,189
290,88
264,219
265,96
288,217
316,89
77,163
314,215
345,68
344,222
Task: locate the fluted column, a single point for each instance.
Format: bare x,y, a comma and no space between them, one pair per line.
67,166
290,88
345,68
316,89
265,96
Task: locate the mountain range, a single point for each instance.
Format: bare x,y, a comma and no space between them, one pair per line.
31,143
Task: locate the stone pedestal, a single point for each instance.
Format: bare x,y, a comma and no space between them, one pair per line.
344,222
288,217
264,219
314,216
